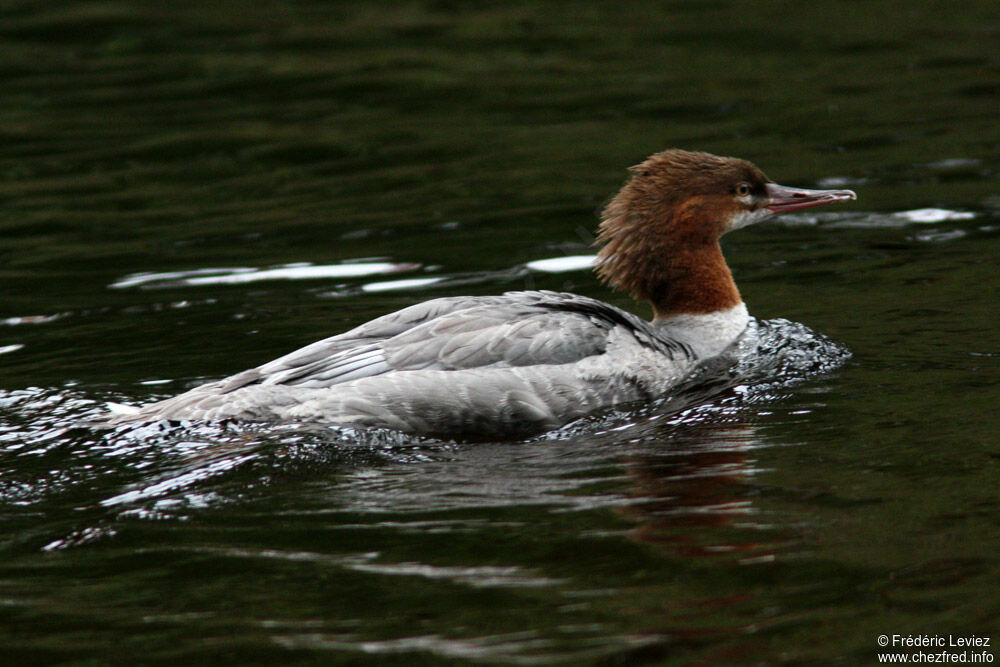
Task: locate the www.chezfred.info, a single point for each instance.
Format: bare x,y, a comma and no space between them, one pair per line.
920,649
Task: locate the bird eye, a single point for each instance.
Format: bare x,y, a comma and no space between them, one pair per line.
743,189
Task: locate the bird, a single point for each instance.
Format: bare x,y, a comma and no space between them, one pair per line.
526,362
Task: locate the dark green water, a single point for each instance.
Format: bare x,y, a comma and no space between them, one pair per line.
141,146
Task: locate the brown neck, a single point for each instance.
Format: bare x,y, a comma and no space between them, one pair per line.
673,262
692,281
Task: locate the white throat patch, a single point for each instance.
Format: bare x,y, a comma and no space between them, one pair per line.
747,218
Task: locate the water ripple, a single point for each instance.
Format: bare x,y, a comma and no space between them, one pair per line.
238,275
169,470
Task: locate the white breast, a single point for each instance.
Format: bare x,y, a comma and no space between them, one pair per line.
707,334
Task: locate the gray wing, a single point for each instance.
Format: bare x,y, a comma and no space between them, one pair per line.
515,329
342,352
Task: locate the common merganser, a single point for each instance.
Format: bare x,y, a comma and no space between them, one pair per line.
524,362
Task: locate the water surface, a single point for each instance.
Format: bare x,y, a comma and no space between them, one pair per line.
192,189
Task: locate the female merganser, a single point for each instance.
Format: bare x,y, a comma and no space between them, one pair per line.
524,362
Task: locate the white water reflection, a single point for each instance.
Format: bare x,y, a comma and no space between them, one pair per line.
926,216
405,283
31,319
897,219
547,265
346,269
563,264
236,275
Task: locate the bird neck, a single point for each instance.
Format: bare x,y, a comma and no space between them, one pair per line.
692,281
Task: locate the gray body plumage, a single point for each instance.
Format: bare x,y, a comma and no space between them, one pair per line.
517,363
